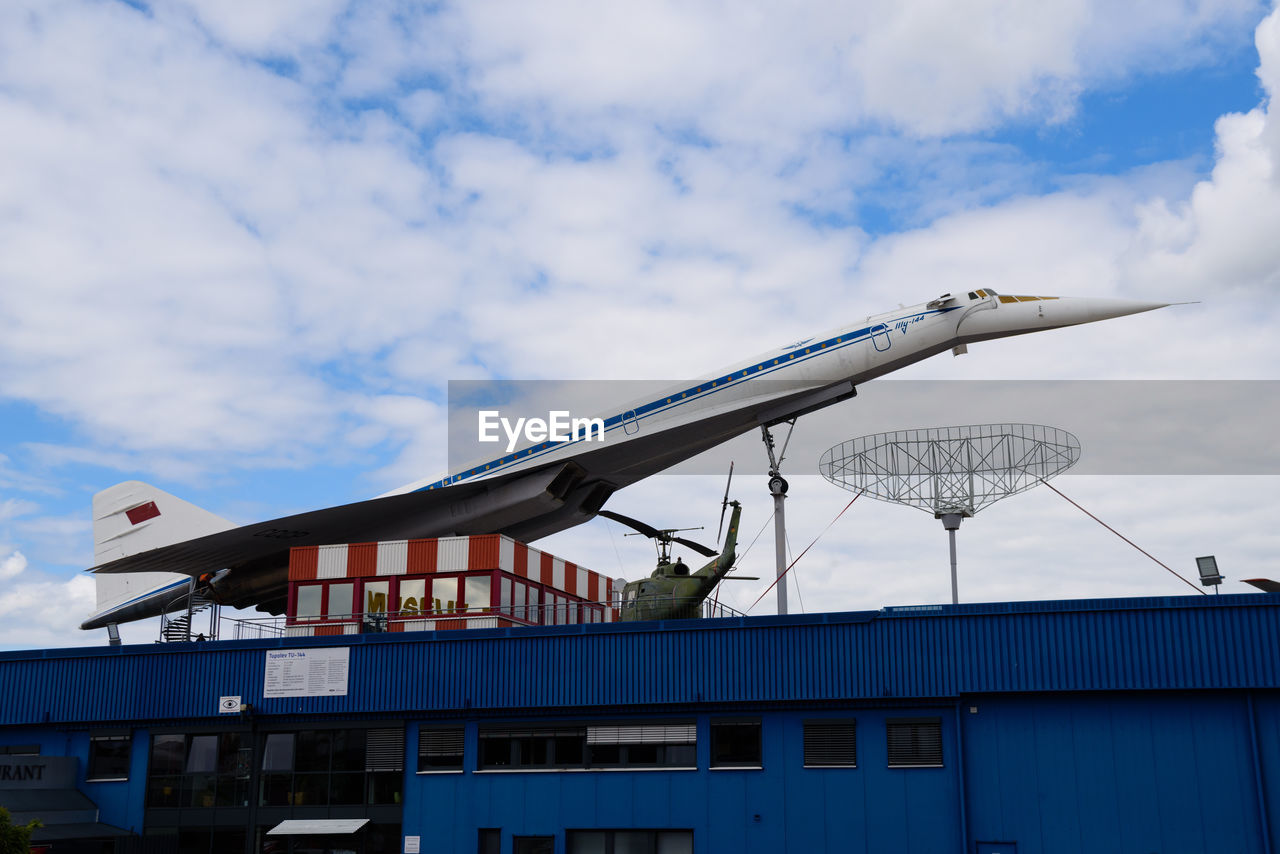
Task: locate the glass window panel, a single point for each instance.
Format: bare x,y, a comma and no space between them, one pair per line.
163,791
199,790
412,591
675,842
477,592
278,754
440,749
681,755
231,753
606,754
313,751
309,600
232,791
586,842
533,844
490,841
642,754
506,594
167,753
277,789
633,842
735,743
346,788
375,597
445,593
495,752
569,749
202,757
340,600
348,749
532,750
311,790
384,787
535,613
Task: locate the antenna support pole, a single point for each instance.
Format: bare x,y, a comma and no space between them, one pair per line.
951,521
778,489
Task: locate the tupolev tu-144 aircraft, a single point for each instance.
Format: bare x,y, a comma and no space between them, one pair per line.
148,544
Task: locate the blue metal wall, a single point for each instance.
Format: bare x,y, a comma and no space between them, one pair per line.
782,807
1173,773
1167,773
1108,726
1175,643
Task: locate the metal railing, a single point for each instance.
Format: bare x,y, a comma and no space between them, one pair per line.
560,614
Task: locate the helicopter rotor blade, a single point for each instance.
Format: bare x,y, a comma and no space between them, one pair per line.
647,530
724,505
659,535
697,547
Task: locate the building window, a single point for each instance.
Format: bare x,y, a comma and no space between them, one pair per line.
544,747
640,745
108,757
533,845
412,594
830,743
477,592
914,742
207,770
735,744
332,767
629,841
20,750
440,749
592,746
384,765
338,601
489,841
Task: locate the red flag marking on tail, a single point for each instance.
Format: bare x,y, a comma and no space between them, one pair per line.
142,513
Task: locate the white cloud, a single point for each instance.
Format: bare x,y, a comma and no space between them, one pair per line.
44,613
760,73
13,564
11,508
1221,238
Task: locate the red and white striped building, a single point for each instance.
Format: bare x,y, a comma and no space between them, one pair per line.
484,581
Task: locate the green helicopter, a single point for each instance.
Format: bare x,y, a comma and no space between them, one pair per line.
673,591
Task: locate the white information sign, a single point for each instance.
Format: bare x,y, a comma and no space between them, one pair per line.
228,705
307,673
412,844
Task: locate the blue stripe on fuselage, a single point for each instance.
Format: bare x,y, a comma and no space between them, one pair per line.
142,597
698,392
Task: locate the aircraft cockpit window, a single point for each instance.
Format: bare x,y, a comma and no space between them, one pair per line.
972,295
991,293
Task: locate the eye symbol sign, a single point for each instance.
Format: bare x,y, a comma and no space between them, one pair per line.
228,705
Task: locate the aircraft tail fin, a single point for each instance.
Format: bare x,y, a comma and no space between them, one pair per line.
133,517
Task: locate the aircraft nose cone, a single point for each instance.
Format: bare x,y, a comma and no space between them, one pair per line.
1051,312
1105,309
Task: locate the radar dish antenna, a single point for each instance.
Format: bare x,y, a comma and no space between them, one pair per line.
951,472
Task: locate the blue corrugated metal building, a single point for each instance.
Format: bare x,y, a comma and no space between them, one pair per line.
1123,725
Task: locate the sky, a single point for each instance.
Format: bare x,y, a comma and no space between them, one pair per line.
245,246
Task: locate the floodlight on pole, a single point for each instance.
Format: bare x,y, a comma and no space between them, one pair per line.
951,472
1209,575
